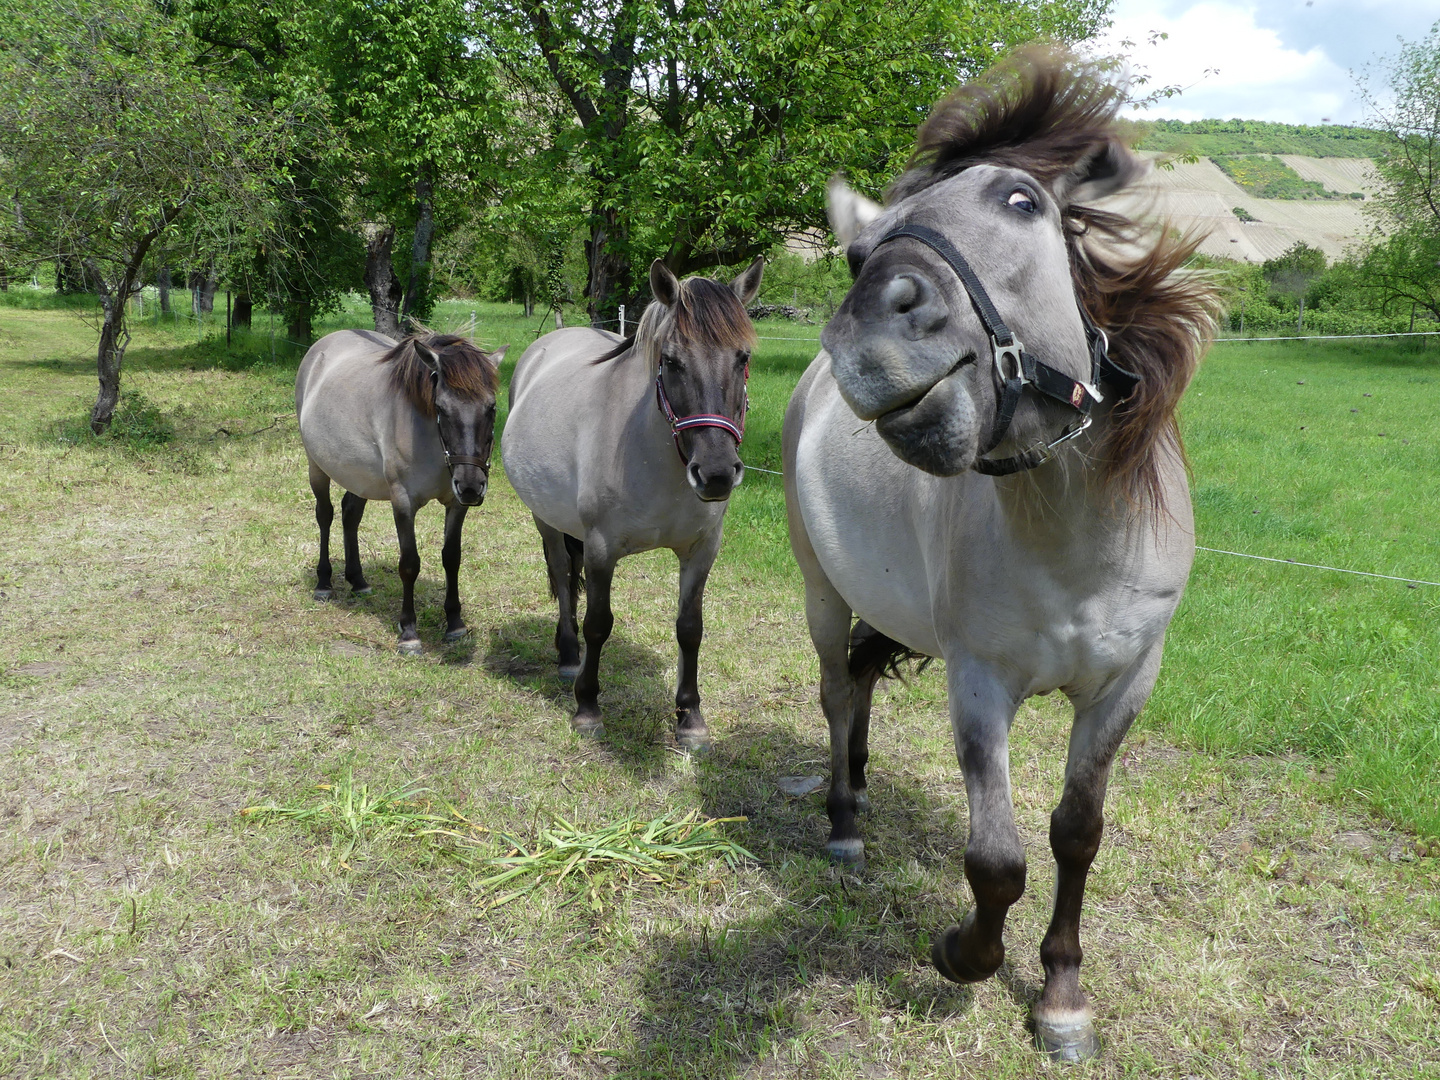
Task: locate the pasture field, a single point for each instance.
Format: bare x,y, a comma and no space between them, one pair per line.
1266,901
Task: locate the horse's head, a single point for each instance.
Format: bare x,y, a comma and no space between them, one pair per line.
464,382
908,347
698,339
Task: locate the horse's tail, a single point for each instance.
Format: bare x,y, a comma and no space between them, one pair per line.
875,656
575,549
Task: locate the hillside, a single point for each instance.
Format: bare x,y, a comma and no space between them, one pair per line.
1209,138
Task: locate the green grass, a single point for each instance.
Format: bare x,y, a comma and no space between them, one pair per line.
1266,901
1209,138
1268,177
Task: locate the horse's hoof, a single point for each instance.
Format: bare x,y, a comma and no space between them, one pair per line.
365,590
569,672
456,635
694,742
590,727
949,960
323,595
862,802
1068,1040
410,648
848,853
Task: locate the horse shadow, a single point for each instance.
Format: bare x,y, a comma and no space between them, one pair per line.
722,1002
634,692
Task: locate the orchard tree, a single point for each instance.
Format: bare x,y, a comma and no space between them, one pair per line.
703,130
110,138
1403,268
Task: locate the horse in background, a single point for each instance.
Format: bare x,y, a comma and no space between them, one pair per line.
400,422
622,446
983,464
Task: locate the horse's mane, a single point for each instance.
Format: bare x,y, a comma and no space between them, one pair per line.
707,310
1053,115
468,371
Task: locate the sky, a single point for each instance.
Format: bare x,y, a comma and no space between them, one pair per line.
1284,60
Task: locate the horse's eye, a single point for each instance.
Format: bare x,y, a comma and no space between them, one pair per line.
672,363
742,358
1022,201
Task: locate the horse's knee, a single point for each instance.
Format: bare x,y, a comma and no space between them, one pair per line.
996,874
1075,834
689,631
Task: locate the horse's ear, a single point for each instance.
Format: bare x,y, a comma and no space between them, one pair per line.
849,211
664,284
1100,173
429,357
498,355
747,285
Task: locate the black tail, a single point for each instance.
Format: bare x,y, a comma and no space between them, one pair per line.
875,656
576,550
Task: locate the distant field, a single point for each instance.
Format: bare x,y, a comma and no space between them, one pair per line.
1266,901
1212,137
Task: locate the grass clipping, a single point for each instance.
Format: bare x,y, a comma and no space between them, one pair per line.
655,851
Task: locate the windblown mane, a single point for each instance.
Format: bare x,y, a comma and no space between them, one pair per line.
1053,115
468,371
708,310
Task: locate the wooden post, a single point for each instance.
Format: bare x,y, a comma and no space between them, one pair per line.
622,320
227,318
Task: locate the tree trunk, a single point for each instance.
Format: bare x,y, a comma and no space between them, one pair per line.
418,288
114,338
208,285
386,295
162,285
70,274
244,311
300,321
609,284
4,278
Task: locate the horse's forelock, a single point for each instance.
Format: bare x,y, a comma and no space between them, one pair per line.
707,311
469,373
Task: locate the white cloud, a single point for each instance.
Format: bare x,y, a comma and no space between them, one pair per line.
1232,63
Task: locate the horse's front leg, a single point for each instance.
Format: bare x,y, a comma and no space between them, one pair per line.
409,572
1064,1024
599,620
981,710
564,556
691,731
450,558
324,515
352,509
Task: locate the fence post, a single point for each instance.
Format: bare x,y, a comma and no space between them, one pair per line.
622,320
472,328
227,318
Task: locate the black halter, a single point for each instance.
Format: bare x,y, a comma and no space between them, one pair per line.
1018,369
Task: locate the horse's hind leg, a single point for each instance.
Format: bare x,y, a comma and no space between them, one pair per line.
450,559
563,556
1064,1025
352,509
599,621
409,572
324,515
691,731
981,710
870,651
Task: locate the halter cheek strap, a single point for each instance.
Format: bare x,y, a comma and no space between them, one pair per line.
701,420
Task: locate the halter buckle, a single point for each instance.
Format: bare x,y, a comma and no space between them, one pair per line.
1012,352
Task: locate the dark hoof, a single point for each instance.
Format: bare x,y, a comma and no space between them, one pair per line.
1069,1042
364,590
410,648
862,802
589,727
323,595
947,954
848,853
456,635
569,672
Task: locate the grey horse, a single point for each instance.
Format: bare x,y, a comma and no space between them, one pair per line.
622,446
976,471
402,422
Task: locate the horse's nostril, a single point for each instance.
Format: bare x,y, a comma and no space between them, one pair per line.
903,293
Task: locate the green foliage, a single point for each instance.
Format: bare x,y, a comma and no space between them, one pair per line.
1403,269
1214,138
1243,214
1270,178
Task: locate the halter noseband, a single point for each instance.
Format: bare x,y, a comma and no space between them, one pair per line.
700,420
1018,369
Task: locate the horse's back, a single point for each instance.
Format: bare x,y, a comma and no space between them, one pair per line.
348,412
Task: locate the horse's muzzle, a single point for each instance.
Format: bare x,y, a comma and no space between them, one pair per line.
714,485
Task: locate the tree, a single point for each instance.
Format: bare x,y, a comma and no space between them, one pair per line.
1403,268
110,136
703,130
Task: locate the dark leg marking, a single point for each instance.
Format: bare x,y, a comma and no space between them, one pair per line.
409,571
324,515
599,621
352,509
450,559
